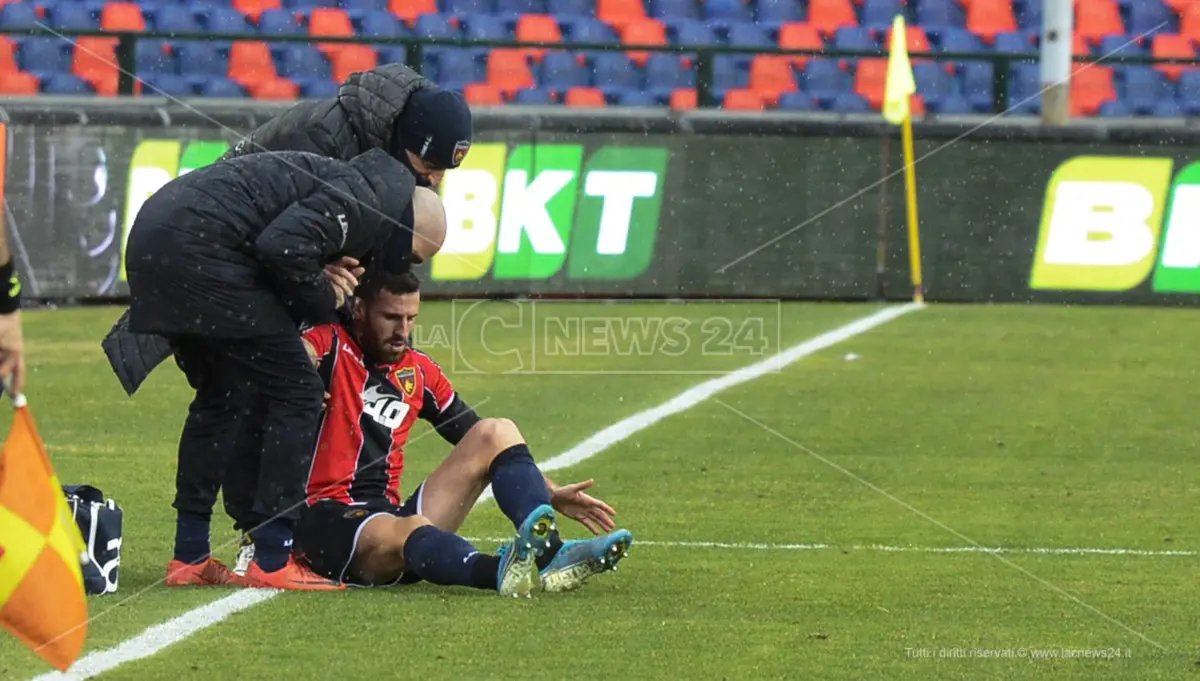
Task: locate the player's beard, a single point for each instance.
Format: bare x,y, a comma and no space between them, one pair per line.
382,350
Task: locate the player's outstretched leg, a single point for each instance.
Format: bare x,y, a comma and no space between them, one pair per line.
579,559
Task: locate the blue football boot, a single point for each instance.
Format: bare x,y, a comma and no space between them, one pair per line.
518,574
579,559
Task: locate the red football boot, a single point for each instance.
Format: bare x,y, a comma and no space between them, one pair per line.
292,576
211,572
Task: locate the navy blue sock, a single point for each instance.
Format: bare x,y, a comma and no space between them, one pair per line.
191,537
440,557
273,544
517,483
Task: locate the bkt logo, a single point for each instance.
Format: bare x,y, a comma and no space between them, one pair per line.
1108,222
528,213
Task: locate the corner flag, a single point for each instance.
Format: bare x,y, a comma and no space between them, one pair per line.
897,109
42,599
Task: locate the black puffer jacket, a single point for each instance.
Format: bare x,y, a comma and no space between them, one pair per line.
238,249
362,117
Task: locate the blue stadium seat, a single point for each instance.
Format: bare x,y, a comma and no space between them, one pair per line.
613,72
560,70
379,24
167,85
19,15
1119,46
357,8
747,34
1014,43
224,20
319,89
953,105
1115,109
688,32
773,13
435,26
959,41
392,54
279,22
726,10
978,85
302,63
673,10
933,82
66,84
1024,87
221,87
1150,15
509,8
201,59
587,30
637,98
797,101
824,80
849,102
467,8
571,9
1028,14
301,5
728,73
67,16
153,56
539,97
878,14
937,16
1168,108
486,27
853,38
668,72
1189,92
1143,88
174,18
457,68
44,55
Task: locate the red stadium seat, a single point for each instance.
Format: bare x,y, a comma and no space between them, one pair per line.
771,76
986,18
684,99
643,32
508,70
870,78
353,59
585,98
483,94
798,36
1097,19
122,16
537,28
916,41
744,100
250,64
1189,21
330,21
1091,87
253,9
275,89
8,59
18,83
618,13
95,61
1166,46
827,16
409,10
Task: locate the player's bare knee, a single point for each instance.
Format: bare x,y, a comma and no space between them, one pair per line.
379,556
495,436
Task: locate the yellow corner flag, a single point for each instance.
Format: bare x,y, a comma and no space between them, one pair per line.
42,600
897,109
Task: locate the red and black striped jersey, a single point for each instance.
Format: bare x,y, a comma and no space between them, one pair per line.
371,410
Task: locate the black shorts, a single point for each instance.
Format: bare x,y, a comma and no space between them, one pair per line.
326,535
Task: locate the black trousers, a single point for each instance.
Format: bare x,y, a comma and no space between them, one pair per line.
257,395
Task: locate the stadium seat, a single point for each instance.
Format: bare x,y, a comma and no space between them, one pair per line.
668,10
319,89
1013,42
456,68
793,36
436,26
1143,88
849,102
959,41
1189,21
585,98
8,55
689,32
916,41
379,25
44,55
224,20
19,83
68,16
934,83
1096,19
797,101
167,85
771,76
175,19
95,60
638,99
1168,108
614,72
953,105
410,11
485,27
464,9
588,30
878,14
729,73
1149,16
775,13
250,64
987,18
538,28
19,15
301,63
870,75
389,54
719,12
827,16
509,70
562,70
1165,46
536,96
618,13
1188,94
66,84
353,59
570,10
643,32
274,89
747,34
1091,87
1028,14
253,9
279,22
938,16
823,79
200,60
684,99
221,87
515,8
1115,109
1119,46
122,16
154,56
743,100
330,21
483,94
854,38
666,73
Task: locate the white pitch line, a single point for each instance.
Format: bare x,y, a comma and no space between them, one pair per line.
173,631
753,546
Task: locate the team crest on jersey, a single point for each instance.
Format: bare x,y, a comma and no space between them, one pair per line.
407,378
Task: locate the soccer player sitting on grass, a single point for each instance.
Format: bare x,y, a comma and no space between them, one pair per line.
355,528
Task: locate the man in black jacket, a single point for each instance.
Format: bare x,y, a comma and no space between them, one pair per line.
225,262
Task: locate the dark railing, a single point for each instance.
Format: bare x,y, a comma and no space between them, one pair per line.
127,62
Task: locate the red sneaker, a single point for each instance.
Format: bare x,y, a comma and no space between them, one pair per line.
211,572
293,576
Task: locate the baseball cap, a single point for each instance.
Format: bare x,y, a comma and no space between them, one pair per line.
436,126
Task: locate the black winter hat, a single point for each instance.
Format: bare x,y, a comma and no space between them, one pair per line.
436,126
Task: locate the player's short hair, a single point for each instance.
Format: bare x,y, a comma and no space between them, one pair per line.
376,282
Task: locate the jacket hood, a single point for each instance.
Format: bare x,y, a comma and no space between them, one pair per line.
374,99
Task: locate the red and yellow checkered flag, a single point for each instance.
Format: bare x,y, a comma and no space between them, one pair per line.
42,600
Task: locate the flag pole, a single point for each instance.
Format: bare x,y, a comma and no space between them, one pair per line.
910,190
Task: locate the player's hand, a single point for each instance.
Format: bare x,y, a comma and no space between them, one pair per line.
12,351
343,279
592,513
351,265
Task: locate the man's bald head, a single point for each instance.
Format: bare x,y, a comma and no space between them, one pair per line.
429,230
